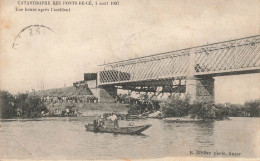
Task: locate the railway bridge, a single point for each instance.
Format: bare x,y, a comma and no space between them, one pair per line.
189,71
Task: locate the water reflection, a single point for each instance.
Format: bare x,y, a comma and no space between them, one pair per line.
204,134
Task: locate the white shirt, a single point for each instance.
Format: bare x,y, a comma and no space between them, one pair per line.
113,117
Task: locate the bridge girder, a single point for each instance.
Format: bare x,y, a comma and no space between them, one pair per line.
225,58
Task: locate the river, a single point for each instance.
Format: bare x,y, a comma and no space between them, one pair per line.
66,138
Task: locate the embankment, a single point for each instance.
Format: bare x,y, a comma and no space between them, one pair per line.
90,109
65,91
84,107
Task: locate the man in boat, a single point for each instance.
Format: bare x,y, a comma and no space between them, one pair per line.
101,122
95,124
115,120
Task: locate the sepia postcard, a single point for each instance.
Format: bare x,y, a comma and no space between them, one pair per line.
130,80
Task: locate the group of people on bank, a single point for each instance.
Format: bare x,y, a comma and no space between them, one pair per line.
80,84
55,99
72,99
66,112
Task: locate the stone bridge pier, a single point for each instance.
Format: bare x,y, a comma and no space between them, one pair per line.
200,89
107,94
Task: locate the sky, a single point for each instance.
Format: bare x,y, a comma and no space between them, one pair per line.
88,36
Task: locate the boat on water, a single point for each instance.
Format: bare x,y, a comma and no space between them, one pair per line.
118,130
184,119
136,117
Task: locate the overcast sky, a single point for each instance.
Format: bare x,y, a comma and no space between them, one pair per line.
87,36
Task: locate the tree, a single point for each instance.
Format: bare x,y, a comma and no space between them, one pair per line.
31,106
204,110
176,106
253,108
20,102
34,106
7,109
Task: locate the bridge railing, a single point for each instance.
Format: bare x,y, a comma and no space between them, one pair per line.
163,66
234,55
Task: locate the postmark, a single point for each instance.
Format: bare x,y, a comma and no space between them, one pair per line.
29,32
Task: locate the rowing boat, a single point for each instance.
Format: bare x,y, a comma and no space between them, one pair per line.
118,130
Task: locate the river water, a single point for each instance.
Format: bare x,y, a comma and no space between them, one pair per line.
66,138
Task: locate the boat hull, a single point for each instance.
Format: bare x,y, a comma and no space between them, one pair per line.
120,130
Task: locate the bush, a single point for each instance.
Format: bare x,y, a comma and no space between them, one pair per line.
7,109
134,109
33,106
253,108
203,110
235,110
222,112
176,106
249,109
20,102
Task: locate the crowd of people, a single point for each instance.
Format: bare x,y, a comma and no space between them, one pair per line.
138,105
66,112
55,99
143,107
72,99
79,84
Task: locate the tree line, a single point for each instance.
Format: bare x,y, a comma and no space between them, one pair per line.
25,106
20,105
176,106
179,106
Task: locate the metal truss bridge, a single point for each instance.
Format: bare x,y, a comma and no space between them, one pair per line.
170,70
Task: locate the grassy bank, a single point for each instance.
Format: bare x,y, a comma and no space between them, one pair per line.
32,105
65,91
89,109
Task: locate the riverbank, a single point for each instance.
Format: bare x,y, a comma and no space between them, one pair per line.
65,91
89,109
55,103
34,105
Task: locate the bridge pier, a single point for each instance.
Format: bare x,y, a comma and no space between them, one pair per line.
107,94
200,89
